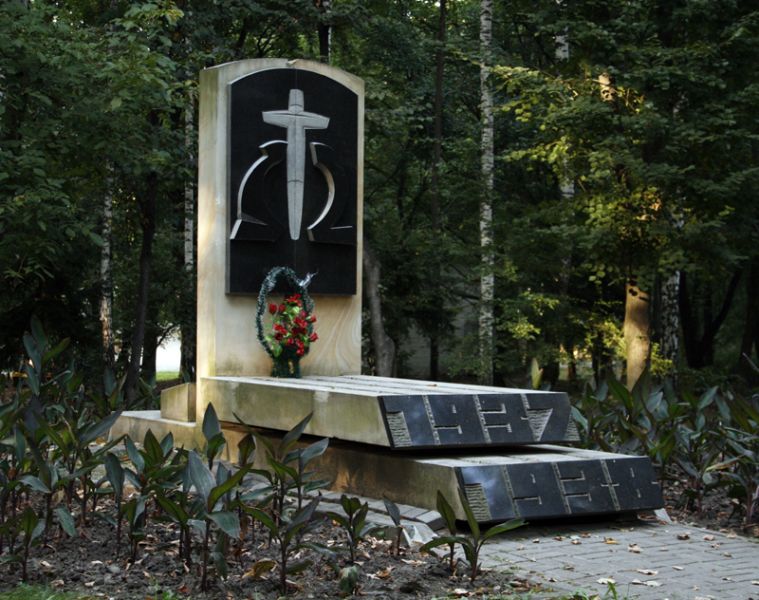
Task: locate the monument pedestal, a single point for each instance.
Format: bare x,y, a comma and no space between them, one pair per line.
280,184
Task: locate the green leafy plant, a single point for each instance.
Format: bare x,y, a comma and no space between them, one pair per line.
287,531
395,515
353,522
471,544
212,492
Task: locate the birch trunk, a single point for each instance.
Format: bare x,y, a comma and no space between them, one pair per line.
435,178
670,318
106,279
384,346
187,327
636,331
148,224
487,276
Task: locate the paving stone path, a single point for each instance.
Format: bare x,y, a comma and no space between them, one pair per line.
640,559
644,560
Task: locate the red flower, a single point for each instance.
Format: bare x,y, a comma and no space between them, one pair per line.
272,308
281,308
313,337
312,319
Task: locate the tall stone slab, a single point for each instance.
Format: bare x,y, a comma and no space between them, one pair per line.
280,183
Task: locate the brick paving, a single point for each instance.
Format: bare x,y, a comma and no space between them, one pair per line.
647,560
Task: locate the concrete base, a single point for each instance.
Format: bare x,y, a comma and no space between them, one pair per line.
534,482
395,413
178,403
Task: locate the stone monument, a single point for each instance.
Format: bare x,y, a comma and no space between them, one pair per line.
280,183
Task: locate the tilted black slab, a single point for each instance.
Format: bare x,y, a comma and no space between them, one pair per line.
258,229
539,489
488,419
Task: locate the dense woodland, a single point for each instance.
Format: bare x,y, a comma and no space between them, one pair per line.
555,185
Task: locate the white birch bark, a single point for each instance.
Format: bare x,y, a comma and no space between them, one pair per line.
487,276
106,277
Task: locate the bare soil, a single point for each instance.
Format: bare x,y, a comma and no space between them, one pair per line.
93,564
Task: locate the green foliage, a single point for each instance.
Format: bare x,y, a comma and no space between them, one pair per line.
353,522
472,543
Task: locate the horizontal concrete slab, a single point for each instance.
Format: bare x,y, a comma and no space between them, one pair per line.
396,413
532,482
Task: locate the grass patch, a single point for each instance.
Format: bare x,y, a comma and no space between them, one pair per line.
166,376
33,592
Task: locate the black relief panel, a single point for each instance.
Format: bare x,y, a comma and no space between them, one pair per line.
543,490
456,420
634,483
293,148
585,487
466,420
535,490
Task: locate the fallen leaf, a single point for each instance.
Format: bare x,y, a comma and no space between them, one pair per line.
585,535
260,568
57,583
460,592
726,579
755,582
559,538
676,568
536,541
413,563
633,548
576,542
520,547
683,536
647,571
96,562
649,583
384,573
605,581
708,537
727,554
610,540
89,584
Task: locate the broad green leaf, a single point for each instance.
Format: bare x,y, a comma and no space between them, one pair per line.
503,528
312,451
66,520
115,472
446,511
134,455
292,436
470,518
91,433
211,425
228,522
393,511
232,482
35,483
200,476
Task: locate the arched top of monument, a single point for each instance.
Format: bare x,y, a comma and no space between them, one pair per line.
233,71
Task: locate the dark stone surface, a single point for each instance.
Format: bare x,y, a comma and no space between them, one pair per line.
259,235
560,488
464,420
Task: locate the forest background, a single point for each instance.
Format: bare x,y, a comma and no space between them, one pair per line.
556,190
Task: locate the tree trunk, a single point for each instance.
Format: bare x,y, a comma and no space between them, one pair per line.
636,332
148,225
434,336
150,348
699,336
487,275
670,318
106,279
188,324
324,30
750,339
384,347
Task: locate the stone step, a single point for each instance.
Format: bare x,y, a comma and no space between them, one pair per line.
396,413
533,482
